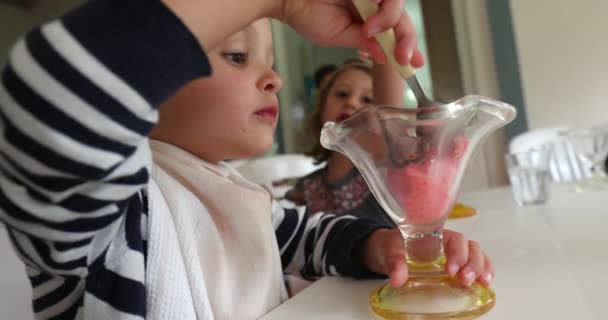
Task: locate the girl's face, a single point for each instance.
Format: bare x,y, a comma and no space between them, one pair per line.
350,92
233,113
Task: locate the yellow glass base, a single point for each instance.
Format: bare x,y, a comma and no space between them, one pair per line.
431,297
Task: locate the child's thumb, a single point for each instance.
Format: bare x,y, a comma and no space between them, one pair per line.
397,270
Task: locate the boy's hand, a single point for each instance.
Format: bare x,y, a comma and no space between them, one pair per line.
326,22
332,23
384,253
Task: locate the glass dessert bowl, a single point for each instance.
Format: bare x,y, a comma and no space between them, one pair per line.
413,161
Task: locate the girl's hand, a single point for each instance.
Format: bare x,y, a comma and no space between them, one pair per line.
384,253
332,23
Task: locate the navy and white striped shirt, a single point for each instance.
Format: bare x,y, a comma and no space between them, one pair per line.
78,98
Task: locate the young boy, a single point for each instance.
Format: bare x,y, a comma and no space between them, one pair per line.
107,234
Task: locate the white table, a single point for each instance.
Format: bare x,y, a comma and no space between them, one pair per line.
551,261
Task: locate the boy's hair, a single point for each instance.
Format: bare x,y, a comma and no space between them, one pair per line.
311,133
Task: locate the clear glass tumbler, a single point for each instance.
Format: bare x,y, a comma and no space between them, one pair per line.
529,176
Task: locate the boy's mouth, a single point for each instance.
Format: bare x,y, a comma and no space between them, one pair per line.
268,113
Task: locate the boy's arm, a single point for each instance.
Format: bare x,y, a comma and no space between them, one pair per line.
322,244
78,98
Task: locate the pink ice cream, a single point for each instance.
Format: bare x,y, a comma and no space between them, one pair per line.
423,188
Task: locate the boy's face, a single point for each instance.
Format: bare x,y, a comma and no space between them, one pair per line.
233,113
351,91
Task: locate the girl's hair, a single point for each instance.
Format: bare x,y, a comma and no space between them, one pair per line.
311,133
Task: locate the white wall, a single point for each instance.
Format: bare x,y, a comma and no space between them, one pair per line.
563,54
478,67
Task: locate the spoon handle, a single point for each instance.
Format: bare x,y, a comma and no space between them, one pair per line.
386,39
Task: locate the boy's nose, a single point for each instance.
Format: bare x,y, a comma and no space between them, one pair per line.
270,83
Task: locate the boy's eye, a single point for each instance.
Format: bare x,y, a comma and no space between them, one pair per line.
236,57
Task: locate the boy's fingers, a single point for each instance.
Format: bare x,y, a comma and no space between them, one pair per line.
397,272
475,265
372,47
456,251
418,59
488,274
389,13
364,54
406,42
394,258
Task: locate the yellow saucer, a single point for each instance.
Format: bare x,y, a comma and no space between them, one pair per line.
461,211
